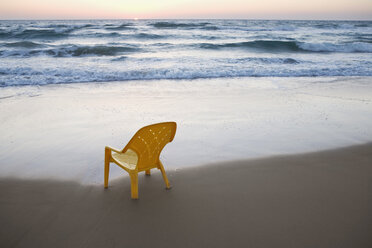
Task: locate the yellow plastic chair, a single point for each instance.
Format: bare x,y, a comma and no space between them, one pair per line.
142,153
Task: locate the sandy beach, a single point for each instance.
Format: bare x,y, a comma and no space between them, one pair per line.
266,162
63,129
321,199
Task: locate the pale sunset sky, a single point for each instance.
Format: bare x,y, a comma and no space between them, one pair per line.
163,9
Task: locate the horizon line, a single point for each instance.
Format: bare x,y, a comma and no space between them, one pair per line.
182,18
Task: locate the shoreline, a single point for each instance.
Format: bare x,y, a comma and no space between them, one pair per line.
107,82
320,199
61,130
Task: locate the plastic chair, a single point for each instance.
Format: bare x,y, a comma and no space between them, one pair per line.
142,153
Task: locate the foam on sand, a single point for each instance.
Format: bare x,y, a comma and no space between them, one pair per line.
59,131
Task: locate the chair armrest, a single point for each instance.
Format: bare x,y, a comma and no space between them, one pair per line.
113,149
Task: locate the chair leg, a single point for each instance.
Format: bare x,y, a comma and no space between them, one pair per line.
107,166
148,172
134,185
161,167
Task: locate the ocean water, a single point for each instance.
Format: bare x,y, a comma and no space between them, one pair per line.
52,52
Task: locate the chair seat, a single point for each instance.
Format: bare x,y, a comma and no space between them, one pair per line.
128,159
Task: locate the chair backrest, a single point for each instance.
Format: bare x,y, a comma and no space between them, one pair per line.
149,141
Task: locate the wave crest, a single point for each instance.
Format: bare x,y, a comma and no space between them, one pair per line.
293,46
36,34
23,44
266,45
124,26
72,51
175,25
99,50
355,47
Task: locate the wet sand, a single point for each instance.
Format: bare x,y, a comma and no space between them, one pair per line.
63,129
321,199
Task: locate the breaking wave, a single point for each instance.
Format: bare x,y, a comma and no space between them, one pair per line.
72,50
293,46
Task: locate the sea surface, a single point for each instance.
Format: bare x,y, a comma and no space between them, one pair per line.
74,51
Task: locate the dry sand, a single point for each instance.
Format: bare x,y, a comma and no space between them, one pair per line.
321,199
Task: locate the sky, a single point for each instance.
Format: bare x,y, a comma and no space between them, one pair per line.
164,9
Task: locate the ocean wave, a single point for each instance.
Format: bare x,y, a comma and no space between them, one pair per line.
342,25
4,34
265,60
149,36
98,34
68,26
265,45
125,36
124,26
209,28
23,44
363,25
98,50
71,51
121,58
327,25
27,76
354,47
36,34
293,46
103,35
363,39
175,25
